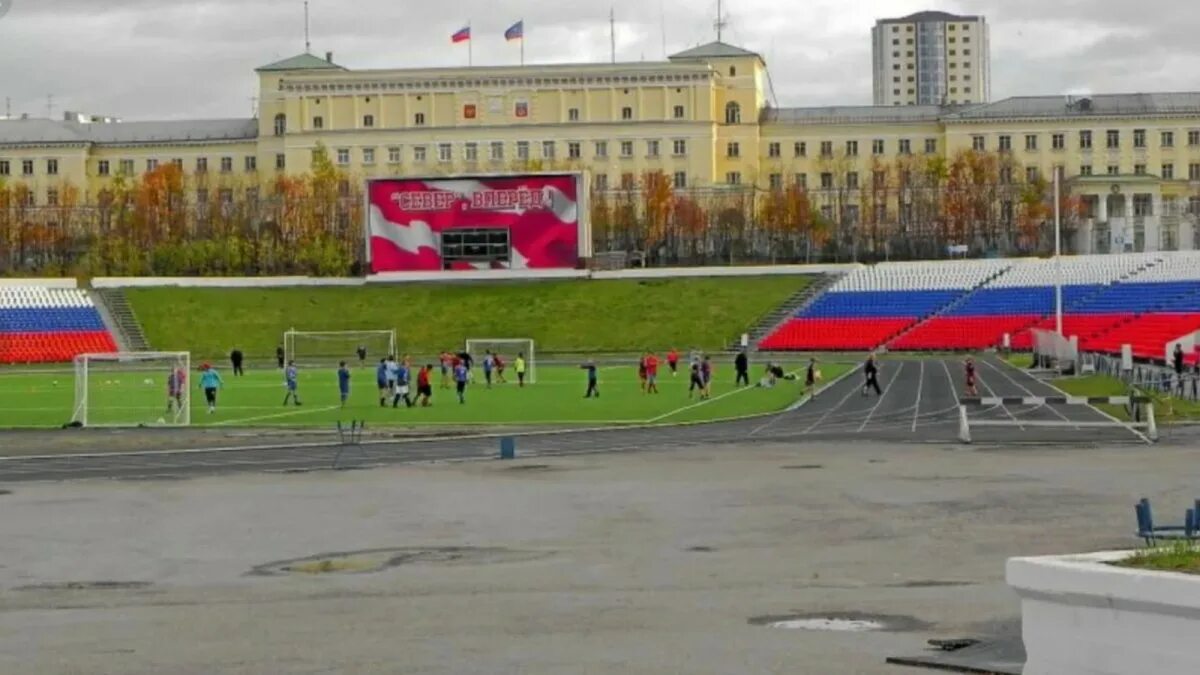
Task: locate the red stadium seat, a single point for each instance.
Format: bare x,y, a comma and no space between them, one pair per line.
833,334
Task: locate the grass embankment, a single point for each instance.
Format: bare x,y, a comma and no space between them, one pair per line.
560,316
1178,557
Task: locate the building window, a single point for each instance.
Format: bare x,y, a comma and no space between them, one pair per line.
151,164
733,149
1193,171
419,119
251,163
1085,140
678,113
628,181
852,180
826,181
1031,174
601,182
680,180
626,113
1139,169
733,71
280,124
445,153
1194,138
496,151
652,148
394,155
877,146
774,150
574,151
1168,139
680,148
733,113
368,121
252,196
201,165
978,143
548,150
1031,142
52,167
930,146
905,146
1005,143
572,114
226,164
101,168
827,148
419,153
523,150
126,167
802,180
627,149
1114,170
225,196
733,178
852,148
202,196
601,149
775,181
1085,170
280,161
1058,141
1168,172
800,149
51,197
1113,138
318,122
1139,138
178,162
343,156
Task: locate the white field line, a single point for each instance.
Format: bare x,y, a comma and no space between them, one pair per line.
891,383
692,406
292,413
917,406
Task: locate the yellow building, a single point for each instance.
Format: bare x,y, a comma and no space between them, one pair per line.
701,117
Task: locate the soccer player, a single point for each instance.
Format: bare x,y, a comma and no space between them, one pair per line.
593,381
651,362
467,359
291,377
235,359
519,366
402,380
393,369
642,372
382,382
343,374
871,371
706,374
447,361
279,356
461,376
362,355
697,381
970,373
424,388
741,364
210,381
489,362
499,369
673,361
176,382
811,376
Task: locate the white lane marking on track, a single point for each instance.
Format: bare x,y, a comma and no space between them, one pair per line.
293,413
891,383
990,393
1129,427
1026,390
917,406
803,401
840,403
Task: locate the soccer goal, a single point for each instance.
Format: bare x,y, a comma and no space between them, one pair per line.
327,348
508,349
133,389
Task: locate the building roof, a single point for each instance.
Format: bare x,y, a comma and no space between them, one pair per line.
301,62
1099,105
921,17
43,131
715,49
857,114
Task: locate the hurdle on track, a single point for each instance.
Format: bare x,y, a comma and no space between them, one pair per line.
1138,402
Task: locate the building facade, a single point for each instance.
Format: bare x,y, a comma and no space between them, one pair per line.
700,118
931,58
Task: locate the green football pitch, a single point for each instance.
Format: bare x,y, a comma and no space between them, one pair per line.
43,399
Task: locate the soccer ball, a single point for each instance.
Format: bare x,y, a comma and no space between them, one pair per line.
161,421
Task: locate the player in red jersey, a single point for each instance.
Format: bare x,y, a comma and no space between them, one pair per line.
970,373
651,362
498,363
673,361
642,372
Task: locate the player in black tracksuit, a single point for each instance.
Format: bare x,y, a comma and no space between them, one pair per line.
871,370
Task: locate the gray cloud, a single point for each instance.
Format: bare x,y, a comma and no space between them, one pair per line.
144,59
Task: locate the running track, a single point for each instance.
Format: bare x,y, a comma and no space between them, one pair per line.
918,405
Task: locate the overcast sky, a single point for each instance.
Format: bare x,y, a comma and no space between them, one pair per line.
170,59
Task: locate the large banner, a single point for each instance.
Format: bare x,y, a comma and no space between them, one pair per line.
407,218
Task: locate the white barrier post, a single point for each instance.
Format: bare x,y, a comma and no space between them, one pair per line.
1151,424
964,428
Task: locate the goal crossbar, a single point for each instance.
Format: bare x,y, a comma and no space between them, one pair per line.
341,344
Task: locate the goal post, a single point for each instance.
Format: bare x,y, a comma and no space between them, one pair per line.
508,349
133,389
327,348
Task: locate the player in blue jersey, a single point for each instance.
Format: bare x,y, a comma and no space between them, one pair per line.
291,376
403,387
343,374
381,381
461,375
210,381
489,362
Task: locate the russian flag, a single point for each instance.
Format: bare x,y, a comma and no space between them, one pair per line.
515,31
462,35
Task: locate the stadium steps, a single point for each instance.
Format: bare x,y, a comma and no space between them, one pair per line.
796,303
120,319
949,307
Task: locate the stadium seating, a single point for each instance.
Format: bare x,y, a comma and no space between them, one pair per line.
46,325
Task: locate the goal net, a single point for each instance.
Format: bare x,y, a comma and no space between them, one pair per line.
327,348
508,350
131,389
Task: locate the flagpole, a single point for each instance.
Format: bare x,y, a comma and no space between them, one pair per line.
470,47
522,46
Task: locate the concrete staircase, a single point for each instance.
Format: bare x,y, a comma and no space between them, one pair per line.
798,301
117,313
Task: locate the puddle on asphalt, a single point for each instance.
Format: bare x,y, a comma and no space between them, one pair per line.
839,622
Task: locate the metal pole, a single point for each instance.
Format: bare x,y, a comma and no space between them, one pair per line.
1058,309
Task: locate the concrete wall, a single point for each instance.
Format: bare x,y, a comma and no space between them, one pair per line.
44,283
1082,616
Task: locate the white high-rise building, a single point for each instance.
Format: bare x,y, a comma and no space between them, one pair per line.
931,58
